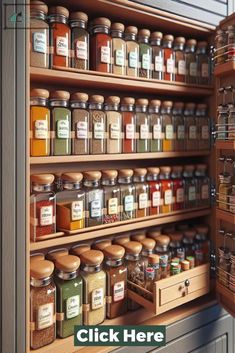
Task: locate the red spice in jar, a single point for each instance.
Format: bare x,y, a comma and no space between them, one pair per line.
169,58
129,125
178,188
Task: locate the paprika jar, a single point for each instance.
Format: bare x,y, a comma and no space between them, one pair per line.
39,35
166,189
190,183
155,120
157,55
118,49
132,51
142,125
154,191
225,190
191,134
167,126
203,185
80,123
59,36
112,196
188,242
114,124
180,63
61,123
203,63
97,125
191,61
70,203
79,40
128,194
142,192
203,127
178,188
231,43
39,123
145,51
178,123
100,45
129,125
162,250
42,206
169,58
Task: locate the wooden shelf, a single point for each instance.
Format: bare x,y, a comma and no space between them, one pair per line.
225,69
119,227
225,145
225,216
97,80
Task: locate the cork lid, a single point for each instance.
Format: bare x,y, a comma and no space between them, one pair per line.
165,169
201,166
103,21
102,244
67,263
138,237
125,173
79,249
79,97
112,100
163,240
92,257
96,99
133,247
38,6
202,44
114,252
54,254
180,40
78,16
177,169
41,269
178,105
169,229
155,103
190,233
154,234
43,179
92,175
141,101
39,93
169,37
58,10
63,95
202,228
74,177
202,106
167,104
177,236
148,243
121,240
109,174
153,259
117,26
153,170
144,33
190,105
138,172
36,257
191,42
189,168
156,35
131,29
128,101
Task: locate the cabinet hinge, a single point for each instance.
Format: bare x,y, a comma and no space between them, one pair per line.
213,134
213,194
213,262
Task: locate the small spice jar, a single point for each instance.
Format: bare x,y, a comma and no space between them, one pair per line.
169,58
129,125
148,246
167,126
116,272
114,125
94,198
166,189
220,43
132,51
178,188
191,131
94,287
176,246
154,263
112,196
59,36
178,124
39,123
154,190
180,63
118,49
61,123
203,127
97,125
39,35
42,206
224,266
232,274
202,242
188,242
142,125
128,194
157,55
80,123
79,40
231,42
231,122
162,244
190,186
155,120
191,61
42,304
70,203
101,45
203,185
69,295
142,192
222,121
232,200
145,57
203,63
225,189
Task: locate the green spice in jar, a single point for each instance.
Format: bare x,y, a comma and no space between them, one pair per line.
128,198
143,126
145,53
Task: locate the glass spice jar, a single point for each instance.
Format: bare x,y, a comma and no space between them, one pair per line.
231,122
70,203
39,123
128,198
114,124
132,51
39,35
145,51
180,63
203,185
129,125
142,192
154,263
157,55
59,36
232,200
221,42
148,246
191,61
79,40
162,250
61,123
166,189
97,123
178,124
69,295
178,188
232,273
191,134
42,206
142,125
94,287
202,242
42,304
176,247
155,120
222,122
188,242
203,127
224,266
225,189
116,272
231,42
202,63
190,186
80,123
154,191
169,58
101,45
112,196
118,49
167,126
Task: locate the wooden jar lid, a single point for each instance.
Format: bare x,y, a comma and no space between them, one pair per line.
67,263
178,105
101,245
36,5
79,249
44,179
125,173
153,259
138,172
167,104
92,175
79,97
114,252
191,42
190,106
109,174
202,106
169,229
121,240
144,33
169,37
202,229
138,237
190,233
154,234
141,101
54,254
133,247
74,177
103,21
117,26
201,166
131,29
180,40
96,98
177,169
155,103
153,170
36,257
176,236
202,44
112,100
39,93
128,101
148,243
78,16
92,257
63,95
41,269
59,10
165,169
162,240
189,168
156,35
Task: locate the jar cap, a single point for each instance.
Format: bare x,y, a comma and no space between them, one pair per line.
67,263
190,105
163,240
167,104
153,259
128,100
133,247
178,105
177,236
138,237
43,179
182,227
191,42
121,240
189,168
168,37
190,233
154,234
54,254
41,269
202,229
125,173
112,100
201,166
156,35
131,29
144,33
153,170
59,10
180,40
79,96
177,169
165,170
60,95
141,101
138,172
79,249
92,175
103,21
38,6
148,243
117,26
202,106
169,229
96,99
78,16
155,103
102,244
36,257
92,257
114,252
75,177
109,174
202,44
39,93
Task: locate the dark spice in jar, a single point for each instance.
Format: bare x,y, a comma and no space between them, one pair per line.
80,123
114,125
191,140
180,66
169,58
145,53
142,125
191,61
79,40
178,123
97,125
142,192
112,197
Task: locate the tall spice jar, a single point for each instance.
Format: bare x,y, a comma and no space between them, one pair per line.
191,140
132,51
39,35
202,63
142,192
191,61
166,189
157,55
79,40
188,242
221,42
225,190
190,183
154,190
231,42
155,120
142,125
145,57
129,125
167,126
97,125
118,49
178,188
203,185
101,45
59,36
128,197
178,123
202,243
114,125
169,58
203,126
112,196
39,123
180,64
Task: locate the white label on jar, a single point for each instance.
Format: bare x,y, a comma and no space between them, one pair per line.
205,132
192,132
41,129
193,69
205,192
98,131
133,60
170,66
105,55
156,198
113,206
143,200
180,195
77,210
97,298
118,291
72,307
81,50
146,61
40,42
96,209
62,46
144,131
180,132
168,197
169,132
130,131
114,131
192,193
45,316
157,131
181,67
119,57
129,203
158,65
62,129
82,130
46,215
205,70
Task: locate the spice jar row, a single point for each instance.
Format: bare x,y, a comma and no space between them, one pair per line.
81,125
65,39
226,185
61,296
225,127
224,45
102,198
226,260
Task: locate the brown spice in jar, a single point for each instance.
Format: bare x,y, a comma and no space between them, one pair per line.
80,123
97,125
79,40
114,125
132,51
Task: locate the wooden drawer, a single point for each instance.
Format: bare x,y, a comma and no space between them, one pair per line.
173,291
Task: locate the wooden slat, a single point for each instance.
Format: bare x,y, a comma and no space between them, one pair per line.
225,216
225,69
225,145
